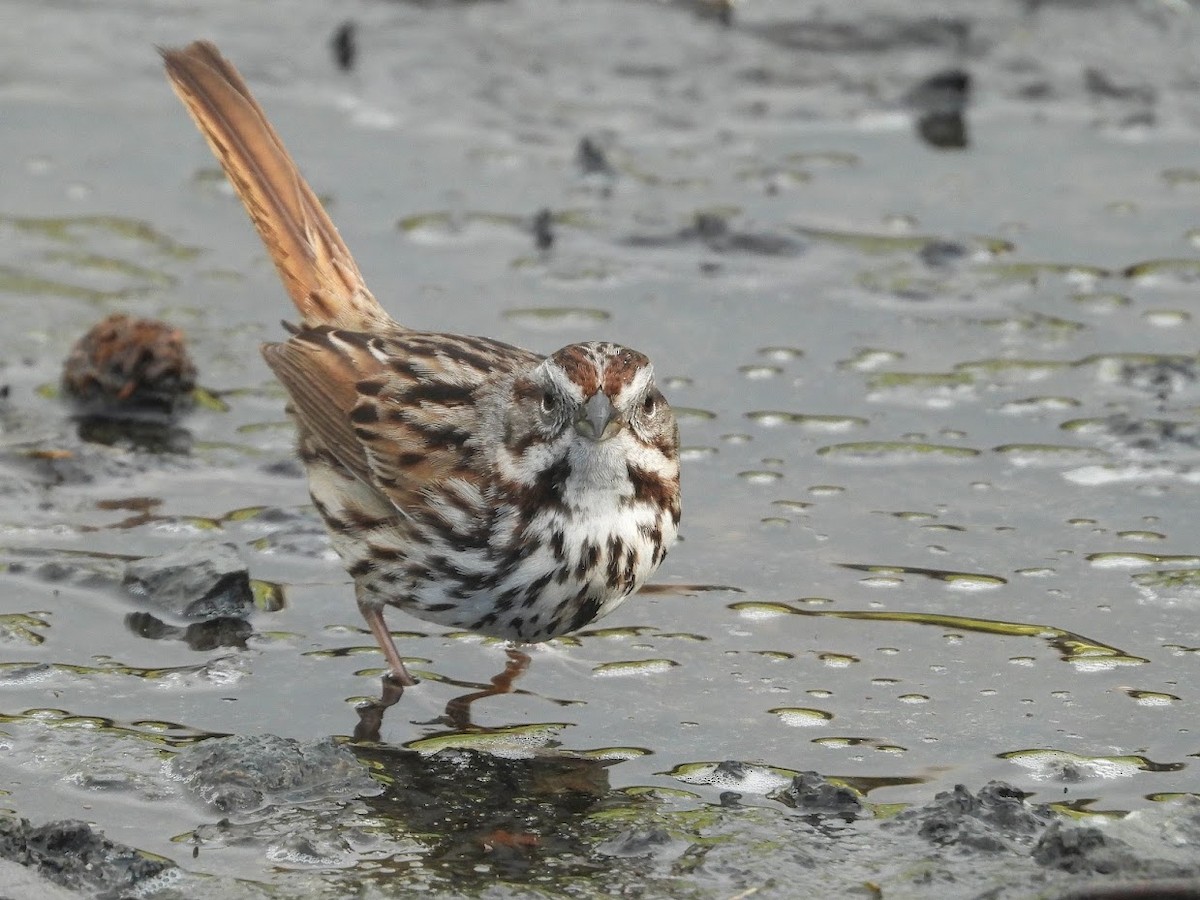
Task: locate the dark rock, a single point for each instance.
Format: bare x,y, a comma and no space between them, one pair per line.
940,102
1005,805
73,855
940,254
242,772
1156,846
1081,849
944,92
592,159
344,45
995,819
812,793
543,229
202,581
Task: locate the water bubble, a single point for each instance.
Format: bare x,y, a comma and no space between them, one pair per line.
800,717
1167,318
759,373
760,476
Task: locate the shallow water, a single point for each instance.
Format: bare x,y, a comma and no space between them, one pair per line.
938,406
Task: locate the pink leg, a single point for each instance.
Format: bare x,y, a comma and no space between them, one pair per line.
374,617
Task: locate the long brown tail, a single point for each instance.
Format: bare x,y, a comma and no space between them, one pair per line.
316,267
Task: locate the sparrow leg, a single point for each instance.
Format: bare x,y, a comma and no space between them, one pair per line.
374,616
458,710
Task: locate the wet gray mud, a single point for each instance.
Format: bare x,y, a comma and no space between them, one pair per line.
921,280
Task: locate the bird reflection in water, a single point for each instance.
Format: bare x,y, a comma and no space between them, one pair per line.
458,711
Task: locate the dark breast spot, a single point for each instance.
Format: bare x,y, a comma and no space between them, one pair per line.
589,556
534,591
631,561
649,487
545,492
584,613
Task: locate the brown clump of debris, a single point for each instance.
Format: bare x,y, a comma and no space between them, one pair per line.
126,366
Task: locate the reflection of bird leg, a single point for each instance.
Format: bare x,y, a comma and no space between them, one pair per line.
458,710
370,715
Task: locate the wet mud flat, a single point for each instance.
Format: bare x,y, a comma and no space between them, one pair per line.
332,820
921,280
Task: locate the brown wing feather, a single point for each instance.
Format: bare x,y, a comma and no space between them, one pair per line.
322,392
398,409
315,265
426,417
413,450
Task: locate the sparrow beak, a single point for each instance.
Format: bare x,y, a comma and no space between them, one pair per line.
597,420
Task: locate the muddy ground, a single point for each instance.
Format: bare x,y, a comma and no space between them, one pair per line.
921,279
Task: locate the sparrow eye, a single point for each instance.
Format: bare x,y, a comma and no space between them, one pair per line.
547,403
649,406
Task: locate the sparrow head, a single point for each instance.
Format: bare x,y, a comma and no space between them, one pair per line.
595,402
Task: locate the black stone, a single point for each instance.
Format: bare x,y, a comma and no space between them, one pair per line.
202,581
72,854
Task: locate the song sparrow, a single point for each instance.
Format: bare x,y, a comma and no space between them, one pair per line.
465,480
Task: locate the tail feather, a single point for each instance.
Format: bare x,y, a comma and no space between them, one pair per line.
315,265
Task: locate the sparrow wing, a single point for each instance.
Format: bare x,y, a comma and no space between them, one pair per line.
401,411
320,381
